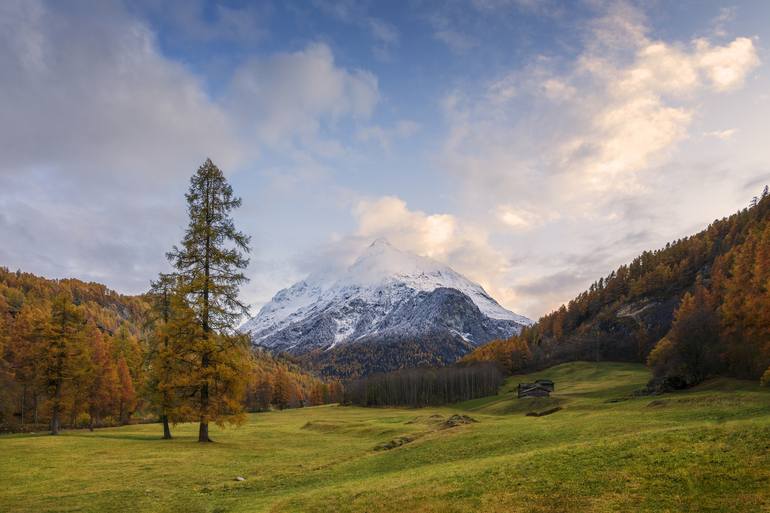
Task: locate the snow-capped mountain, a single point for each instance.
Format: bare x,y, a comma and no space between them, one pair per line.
386,295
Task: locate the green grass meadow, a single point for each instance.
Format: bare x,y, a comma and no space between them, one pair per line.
706,449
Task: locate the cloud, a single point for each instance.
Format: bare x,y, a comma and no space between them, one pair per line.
555,150
456,40
88,92
723,135
623,107
726,15
385,35
644,111
727,66
199,21
446,25
463,245
523,219
101,130
292,94
99,133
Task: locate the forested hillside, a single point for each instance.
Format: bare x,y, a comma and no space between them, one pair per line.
83,349
94,379
361,358
697,307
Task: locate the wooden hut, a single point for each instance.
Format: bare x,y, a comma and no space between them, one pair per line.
534,390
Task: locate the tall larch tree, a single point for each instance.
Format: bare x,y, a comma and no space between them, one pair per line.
103,383
126,392
210,263
65,336
25,344
164,364
281,389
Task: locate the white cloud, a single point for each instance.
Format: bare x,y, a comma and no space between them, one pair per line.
100,131
727,66
577,149
644,111
558,90
462,245
523,219
292,94
89,92
723,135
725,16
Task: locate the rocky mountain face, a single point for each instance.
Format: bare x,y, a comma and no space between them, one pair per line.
422,311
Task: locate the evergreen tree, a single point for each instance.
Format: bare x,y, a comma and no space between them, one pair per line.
689,350
264,394
163,363
65,335
103,383
210,264
126,393
25,344
281,389
316,395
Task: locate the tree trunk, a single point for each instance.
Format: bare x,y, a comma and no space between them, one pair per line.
203,431
56,409
23,396
73,414
166,428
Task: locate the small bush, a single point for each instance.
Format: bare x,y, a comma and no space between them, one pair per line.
83,420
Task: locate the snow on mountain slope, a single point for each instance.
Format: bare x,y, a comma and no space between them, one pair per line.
326,310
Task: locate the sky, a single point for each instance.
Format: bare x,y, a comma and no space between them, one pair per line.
532,145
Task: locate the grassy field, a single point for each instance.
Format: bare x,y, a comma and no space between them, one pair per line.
706,449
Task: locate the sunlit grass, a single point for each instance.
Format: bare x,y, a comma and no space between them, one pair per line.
706,449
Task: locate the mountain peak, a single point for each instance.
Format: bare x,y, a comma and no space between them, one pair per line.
380,242
360,300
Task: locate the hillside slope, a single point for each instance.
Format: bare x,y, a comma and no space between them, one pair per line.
623,316
116,334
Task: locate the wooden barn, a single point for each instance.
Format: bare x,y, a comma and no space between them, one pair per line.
540,388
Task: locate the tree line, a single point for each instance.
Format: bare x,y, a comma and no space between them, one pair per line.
77,354
698,307
425,387
70,353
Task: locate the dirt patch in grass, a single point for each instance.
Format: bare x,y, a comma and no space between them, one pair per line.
396,442
457,420
426,419
435,423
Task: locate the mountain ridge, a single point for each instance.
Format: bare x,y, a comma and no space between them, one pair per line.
386,295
